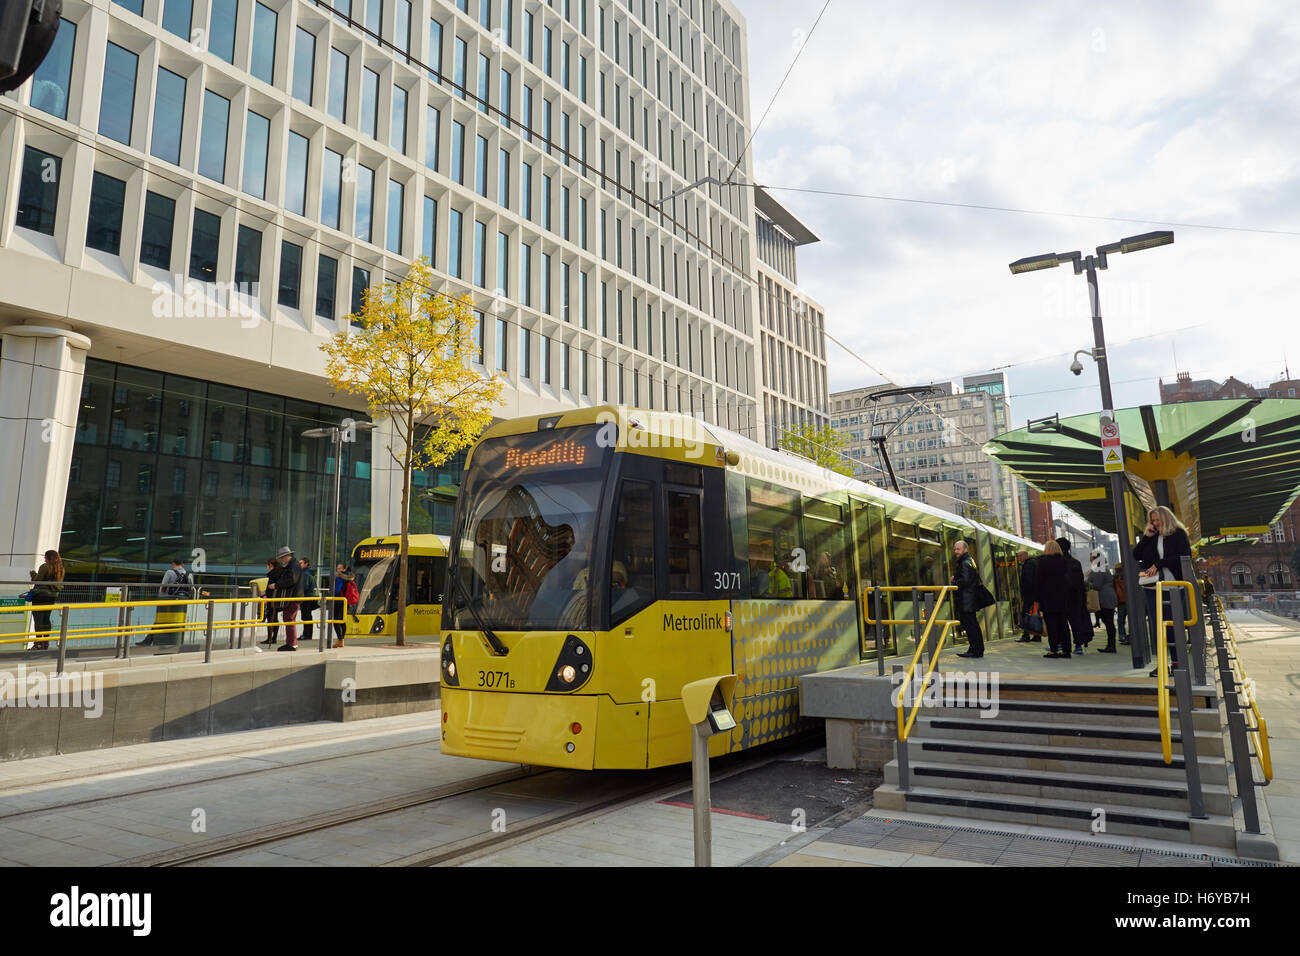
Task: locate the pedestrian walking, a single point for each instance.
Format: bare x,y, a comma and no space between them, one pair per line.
1121,603
1102,584
270,609
1159,555
48,578
1077,612
971,597
288,587
1028,596
310,598
169,619
1054,599
345,586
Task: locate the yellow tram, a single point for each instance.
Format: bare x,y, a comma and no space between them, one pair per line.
375,564
605,557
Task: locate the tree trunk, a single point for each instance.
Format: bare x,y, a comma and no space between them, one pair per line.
406,529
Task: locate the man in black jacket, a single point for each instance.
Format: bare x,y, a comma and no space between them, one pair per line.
966,601
1078,598
1028,593
288,584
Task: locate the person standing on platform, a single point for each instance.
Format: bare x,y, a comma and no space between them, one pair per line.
46,591
311,598
1077,598
1121,603
1054,599
345,586
1159,556
965,577
1028,594
289,585
1102,583
271,612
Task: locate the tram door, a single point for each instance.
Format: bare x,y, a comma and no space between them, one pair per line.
869,534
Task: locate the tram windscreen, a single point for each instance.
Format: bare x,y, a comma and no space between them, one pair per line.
376,568
526,529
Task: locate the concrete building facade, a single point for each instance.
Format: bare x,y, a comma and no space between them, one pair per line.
792,326
197,192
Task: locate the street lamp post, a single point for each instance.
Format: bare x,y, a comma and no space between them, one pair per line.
339,434
1090,265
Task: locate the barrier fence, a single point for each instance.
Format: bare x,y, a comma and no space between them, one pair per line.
171,622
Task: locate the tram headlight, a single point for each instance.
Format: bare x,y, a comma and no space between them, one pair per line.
451,669
573,665
449,678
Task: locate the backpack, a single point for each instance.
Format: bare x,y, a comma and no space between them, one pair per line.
182,585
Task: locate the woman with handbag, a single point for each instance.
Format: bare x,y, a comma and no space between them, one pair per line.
1101,596
1159,556
46,591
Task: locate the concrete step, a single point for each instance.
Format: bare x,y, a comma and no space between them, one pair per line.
1100,790
1106,692
1132,715
1098,736
1216,831
1035,755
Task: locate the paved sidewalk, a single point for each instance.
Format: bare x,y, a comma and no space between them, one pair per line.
1270,653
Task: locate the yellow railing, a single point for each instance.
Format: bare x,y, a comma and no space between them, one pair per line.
1162,662
1260,731
154,628
905,726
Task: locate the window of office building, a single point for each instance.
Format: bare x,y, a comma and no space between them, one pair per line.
104,226
262,59
402,26
327,271
337,100
503,264
177,17
503,178
212,142
502,344
374,18
257,134
331,188
435,49
290,274
457,152
480,254
295,179
205,240
458,67
52,79
360,283
433,118
221,29
397,130
454,220
248,259
429,248
117,97
365,200
396,195
481,165
156,236
369,102
304,65
168,116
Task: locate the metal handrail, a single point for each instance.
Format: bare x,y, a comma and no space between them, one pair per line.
1162,663
1247,690
922,642
931,589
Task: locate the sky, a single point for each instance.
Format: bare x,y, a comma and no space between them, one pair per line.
1183,113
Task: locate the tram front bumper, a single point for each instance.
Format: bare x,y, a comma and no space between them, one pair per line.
546,730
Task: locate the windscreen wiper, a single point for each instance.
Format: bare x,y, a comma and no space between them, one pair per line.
492,639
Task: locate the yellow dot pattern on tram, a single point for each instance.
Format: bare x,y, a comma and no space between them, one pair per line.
773,642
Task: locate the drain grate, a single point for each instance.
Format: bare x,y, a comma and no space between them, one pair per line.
1069,841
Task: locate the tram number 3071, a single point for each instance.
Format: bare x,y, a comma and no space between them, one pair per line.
495,679
726,580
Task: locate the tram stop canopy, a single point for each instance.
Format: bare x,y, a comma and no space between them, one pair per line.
1227,467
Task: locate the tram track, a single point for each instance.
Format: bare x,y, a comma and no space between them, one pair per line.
647,784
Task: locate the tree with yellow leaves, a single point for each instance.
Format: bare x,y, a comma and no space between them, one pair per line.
824,445
411,361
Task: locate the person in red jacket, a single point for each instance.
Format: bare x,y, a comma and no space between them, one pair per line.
345,586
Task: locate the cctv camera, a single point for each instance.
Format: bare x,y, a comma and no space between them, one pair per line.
1076,367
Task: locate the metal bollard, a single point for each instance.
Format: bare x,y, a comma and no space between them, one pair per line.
63,636
916,625
120,636
207,635
126,634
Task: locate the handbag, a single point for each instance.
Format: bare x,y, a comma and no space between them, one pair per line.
983,596
1094,601
1032,622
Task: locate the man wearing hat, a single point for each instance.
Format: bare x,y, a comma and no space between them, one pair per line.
288,584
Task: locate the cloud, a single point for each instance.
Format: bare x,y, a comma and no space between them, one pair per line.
1142,111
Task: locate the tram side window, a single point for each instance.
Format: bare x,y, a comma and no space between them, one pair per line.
632,571
830,567
424,579
903,547
777,557
684,559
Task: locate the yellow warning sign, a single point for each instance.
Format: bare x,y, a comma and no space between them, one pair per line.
1112,460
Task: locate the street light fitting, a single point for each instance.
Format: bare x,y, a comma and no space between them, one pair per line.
1049,261
318,433
1148,240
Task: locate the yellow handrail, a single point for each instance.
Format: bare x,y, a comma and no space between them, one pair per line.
932,588
1162,662
1260,731
905,727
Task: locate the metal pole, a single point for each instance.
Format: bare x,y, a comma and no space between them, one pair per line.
126,634
1137,622
63,636
207,635
334,535
880,636
1197,631
1183,692
904,779
701,798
